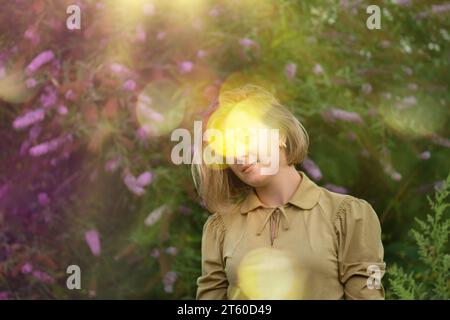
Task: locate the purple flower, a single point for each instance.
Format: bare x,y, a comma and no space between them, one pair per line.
92,238
29,118
247,43
70,95
169,280
155,253
408,71
136,185
334,114
395,175
201,54
43,276
142,133
30,83
430,186
312,169
160,35
129,85
119,69
145,179
439,185
440,8
39,61
366,88
133,186
290,70
112,164
47,146
172,251
49,97
27,268
34,132
412,86
185,66
31,35
62,110
317,69
155,215
425,155
43,199
141,35
385,44
403,2
337,189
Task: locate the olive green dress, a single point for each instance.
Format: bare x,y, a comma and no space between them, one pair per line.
320,245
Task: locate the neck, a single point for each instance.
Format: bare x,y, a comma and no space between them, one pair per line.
281,187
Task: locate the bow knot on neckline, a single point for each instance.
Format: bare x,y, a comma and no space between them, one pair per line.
275,220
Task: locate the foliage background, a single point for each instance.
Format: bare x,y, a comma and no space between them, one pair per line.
375,104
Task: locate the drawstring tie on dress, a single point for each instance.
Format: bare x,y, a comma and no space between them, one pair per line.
274,223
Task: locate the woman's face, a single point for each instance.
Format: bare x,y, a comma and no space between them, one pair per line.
250,173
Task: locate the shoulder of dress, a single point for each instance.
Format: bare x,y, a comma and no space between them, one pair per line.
223,218
215,221
333,203
231,212
351,205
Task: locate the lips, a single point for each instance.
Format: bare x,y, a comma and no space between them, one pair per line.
248,168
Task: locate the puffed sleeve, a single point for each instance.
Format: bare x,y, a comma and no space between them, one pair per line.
360,250
213,283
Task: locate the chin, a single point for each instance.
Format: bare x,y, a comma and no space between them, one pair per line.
254,178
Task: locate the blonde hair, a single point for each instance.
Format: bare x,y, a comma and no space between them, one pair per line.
220,188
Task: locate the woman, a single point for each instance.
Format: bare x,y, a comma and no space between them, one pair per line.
281,236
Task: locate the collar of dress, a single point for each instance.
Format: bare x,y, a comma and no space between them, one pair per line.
305,197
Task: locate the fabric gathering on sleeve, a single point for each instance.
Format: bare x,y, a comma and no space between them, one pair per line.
360,249
213,283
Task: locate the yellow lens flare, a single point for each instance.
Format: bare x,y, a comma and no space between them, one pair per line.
160,107
268,274
236,129
126,11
